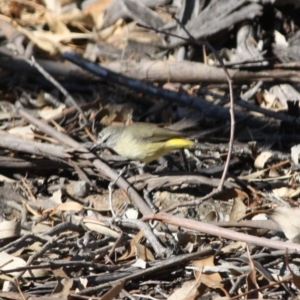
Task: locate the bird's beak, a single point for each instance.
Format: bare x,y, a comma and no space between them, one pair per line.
98,145
95,146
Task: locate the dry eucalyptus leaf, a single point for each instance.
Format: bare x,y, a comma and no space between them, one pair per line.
270,100
213,279
251,281
68,206
143,253
253,176
63,288
285,192
288,219
97,226
234,247
280,39
25,132
295,154
114,291
11,262
48,112
238,210
262,159
189,290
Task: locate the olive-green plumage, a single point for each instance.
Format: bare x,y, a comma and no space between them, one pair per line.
142,141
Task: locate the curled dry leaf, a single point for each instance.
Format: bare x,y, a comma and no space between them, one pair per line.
262,159
252,285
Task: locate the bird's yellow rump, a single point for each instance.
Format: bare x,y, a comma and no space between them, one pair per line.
142,141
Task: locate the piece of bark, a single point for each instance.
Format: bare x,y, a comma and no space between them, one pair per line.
14,143
217,16
193,72
117,10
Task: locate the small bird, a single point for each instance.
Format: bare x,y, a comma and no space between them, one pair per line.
142,142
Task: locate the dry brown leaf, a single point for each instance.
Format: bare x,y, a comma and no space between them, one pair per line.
137,250
251,281
63,288
59,273
96,9
113,292
186,237
212,280
67,206
189,290
143,252
233,247
238,210
114,113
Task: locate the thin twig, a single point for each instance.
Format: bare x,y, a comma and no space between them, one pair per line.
51,79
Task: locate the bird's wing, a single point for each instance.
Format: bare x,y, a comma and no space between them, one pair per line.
154,134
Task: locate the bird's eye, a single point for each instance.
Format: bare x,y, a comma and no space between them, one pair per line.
103,138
